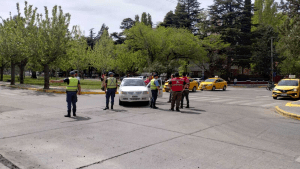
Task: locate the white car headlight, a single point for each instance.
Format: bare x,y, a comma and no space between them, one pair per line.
295,90
275,89
123,92
145,92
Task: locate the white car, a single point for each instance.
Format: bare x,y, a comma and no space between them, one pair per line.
134,90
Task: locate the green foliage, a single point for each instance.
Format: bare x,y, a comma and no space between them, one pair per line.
103,53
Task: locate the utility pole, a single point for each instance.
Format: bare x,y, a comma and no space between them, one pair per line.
272,69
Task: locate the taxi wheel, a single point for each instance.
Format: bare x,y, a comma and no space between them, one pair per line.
194,89
213,88
224,88
275,98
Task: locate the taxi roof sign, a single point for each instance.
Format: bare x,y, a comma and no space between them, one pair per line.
216,76
292,76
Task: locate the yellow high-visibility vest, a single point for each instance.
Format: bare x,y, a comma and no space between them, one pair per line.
111,83
73,84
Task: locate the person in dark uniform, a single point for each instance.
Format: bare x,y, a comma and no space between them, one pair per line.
155,89
111,85
170,97
73,88
186,91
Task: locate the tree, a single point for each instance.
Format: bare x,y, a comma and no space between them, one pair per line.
15,34
52,39
127,23
150,23
79,52
103,53
192,8
266,13
181,17
144,18
118,37
137,18
169,20
261,58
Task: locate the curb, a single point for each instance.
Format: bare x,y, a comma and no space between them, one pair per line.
287,114
50,91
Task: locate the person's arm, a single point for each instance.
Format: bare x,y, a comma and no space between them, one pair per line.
105,86
116,86
79,89
170,85
57,81
184,86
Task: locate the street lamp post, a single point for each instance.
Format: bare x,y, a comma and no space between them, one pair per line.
272,68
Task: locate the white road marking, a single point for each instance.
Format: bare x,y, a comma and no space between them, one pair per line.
208,99
298,160
251,103
197,98
239,102
223,100
269,105
5,93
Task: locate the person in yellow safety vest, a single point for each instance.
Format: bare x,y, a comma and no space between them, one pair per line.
73,88
155,89
111,85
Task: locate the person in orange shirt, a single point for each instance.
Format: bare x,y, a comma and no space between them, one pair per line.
148,80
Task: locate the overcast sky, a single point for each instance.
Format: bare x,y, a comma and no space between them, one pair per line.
93,13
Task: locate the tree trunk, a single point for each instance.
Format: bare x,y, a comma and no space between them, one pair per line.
1,72
12,80
46,77
33,75
21,66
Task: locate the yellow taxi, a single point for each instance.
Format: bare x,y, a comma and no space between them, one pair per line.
193,85
287,88
213,84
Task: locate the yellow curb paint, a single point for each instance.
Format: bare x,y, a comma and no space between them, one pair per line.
290,104
287,114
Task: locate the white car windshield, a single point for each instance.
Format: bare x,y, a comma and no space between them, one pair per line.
133,82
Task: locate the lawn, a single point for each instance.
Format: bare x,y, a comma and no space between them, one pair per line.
85,84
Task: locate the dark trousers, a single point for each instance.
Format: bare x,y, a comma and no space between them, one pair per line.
110,93
71,99
154,96
170,97
176,99
185,94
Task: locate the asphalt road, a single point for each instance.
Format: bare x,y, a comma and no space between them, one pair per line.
230,129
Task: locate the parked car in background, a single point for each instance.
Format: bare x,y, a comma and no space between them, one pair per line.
199,80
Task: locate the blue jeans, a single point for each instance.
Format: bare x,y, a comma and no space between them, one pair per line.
110,93
154,96
71,99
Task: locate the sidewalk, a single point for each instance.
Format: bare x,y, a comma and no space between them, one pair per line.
291,110
53,89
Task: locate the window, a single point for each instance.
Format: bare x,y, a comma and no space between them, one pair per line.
132,82
288,83
209,80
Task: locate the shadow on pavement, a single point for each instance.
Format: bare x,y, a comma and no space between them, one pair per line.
186,112
79,118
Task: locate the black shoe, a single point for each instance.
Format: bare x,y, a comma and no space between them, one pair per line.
151,105
181,107
106,108
177,109
74,113
169,102
171,109
69,114
112,107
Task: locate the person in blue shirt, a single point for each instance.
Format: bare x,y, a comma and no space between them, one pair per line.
155,89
